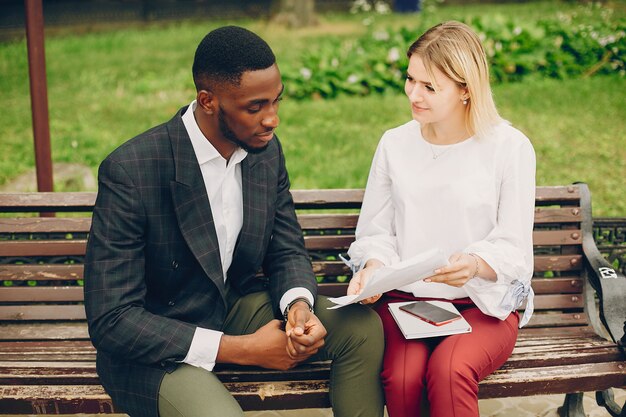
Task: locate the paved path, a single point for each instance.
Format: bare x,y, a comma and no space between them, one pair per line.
537,406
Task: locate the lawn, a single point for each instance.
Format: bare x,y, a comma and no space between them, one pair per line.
107,86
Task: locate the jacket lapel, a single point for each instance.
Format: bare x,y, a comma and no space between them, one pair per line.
191,204
254,187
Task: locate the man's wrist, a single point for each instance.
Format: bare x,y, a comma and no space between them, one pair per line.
234,349
294,302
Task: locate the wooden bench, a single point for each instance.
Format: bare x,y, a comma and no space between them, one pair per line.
47,364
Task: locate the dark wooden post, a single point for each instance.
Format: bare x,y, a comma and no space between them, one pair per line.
39,93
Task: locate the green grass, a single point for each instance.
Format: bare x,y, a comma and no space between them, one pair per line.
107,86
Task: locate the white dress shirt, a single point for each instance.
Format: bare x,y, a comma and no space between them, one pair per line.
476,196
222,179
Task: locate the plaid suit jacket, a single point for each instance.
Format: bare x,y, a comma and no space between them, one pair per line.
153,271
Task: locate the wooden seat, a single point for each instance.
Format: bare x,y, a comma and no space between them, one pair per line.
47,363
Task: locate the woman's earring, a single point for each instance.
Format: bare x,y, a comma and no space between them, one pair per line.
465,102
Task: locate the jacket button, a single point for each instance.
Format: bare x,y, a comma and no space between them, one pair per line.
174,264
171,303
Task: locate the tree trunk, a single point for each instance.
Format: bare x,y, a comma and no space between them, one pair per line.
295,13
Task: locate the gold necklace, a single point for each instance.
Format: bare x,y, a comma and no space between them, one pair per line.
435,154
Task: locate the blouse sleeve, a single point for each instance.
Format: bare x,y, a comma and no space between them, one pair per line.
375,231
508,248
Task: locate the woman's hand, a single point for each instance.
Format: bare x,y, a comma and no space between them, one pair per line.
462,268
359,280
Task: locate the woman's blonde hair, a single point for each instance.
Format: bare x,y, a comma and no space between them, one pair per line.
455,50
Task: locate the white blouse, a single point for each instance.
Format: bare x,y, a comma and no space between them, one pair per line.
475,196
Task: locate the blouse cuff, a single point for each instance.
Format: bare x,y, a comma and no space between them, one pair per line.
514,298
356,265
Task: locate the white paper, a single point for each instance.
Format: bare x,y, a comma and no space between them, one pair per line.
395,276
415,328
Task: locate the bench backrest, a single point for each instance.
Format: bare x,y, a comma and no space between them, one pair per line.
41,257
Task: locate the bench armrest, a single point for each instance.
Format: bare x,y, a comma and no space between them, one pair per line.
610,285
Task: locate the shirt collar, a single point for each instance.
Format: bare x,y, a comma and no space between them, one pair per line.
203,148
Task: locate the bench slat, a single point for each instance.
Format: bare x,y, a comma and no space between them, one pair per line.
72,399
45,225
55,272
49,350
41,294
551,324
545,215
528,338
47,201
29,248
557,237
503,383
42,312
562,285
77,247
578,355
26,310
327,221
41,272
330,242
328,199
307,221
558,263
555,194
558,301
553,380
551,320
77,201
44,331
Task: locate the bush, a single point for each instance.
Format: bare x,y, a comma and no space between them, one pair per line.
582,43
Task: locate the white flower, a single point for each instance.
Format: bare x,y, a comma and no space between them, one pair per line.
306,73
334,62
381,7
358,5
353,78
517,30
381,35
393,55
607,40
74,144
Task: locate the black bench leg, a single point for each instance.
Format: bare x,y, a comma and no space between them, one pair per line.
605,399
572,406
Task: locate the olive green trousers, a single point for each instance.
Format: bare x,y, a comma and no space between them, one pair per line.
354,344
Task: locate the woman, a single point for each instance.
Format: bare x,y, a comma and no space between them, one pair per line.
459,178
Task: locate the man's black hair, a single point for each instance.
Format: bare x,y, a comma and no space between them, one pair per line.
226,53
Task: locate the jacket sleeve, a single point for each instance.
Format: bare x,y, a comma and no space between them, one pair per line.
286,262
115,286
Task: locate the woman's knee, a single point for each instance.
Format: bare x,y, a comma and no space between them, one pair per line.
452,372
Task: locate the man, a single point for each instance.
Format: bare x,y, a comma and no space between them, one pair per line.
187,213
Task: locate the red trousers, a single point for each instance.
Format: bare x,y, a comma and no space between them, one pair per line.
447,368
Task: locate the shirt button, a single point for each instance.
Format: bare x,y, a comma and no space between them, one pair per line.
174,264
171,303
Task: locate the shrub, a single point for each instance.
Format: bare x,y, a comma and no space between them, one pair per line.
582,43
